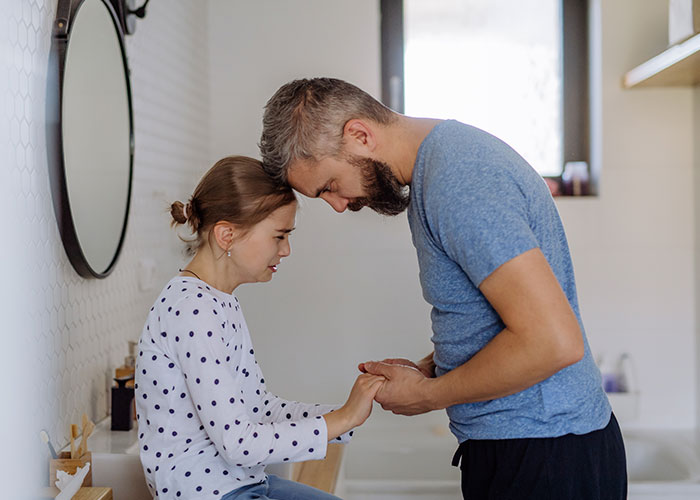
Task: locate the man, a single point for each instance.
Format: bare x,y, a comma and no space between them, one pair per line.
511,364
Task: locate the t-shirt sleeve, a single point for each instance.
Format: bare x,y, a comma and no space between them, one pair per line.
479,216
197,336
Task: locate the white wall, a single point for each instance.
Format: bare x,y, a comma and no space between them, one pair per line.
15,424
64,335
350,291
696,173
633,246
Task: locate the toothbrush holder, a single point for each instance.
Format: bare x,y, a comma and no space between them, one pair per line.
65,463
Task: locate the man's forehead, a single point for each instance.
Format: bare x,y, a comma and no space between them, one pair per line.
305,177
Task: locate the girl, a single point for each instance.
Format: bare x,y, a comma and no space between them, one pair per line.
207,425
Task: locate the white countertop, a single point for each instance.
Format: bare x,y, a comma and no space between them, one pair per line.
104,440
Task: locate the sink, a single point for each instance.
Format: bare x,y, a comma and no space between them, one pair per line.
122,472
116,463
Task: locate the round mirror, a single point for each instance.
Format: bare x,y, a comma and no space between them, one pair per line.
90,134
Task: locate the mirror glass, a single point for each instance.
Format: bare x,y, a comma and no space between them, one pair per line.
97,138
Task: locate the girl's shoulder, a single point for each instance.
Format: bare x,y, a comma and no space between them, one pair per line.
181,287
190,305
185,298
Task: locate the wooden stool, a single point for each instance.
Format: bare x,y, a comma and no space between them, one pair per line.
321,474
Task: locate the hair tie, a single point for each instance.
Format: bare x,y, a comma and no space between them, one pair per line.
184,211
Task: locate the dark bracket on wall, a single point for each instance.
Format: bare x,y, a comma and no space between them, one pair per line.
127,14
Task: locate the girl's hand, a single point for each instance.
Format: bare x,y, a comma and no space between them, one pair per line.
427,366
357,408
359,404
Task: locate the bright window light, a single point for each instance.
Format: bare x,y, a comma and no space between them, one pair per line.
494,64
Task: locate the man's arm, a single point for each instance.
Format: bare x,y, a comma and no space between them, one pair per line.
541,337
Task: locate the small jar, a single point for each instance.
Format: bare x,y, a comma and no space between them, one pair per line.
575,181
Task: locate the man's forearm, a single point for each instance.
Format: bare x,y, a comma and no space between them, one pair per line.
509,363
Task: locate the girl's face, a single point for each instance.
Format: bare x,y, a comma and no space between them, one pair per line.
256,255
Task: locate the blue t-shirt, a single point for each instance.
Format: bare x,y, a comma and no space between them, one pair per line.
476,204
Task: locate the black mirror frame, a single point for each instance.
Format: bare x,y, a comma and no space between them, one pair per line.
65,15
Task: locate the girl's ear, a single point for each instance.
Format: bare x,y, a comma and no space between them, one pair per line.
224,234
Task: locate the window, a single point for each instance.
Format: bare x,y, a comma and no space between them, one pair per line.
515,68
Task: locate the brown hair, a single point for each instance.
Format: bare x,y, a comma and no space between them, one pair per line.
236,190
305,119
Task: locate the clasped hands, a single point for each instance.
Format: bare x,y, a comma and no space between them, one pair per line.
406,390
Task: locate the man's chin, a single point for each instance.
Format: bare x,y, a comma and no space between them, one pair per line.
356,208
378,207
388,211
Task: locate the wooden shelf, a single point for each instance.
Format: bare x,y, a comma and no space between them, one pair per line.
679,65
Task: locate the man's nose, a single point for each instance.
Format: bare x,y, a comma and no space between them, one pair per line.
338,203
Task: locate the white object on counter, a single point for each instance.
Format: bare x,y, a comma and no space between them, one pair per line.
70,484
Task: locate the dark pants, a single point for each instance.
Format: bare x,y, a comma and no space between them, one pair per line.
572,467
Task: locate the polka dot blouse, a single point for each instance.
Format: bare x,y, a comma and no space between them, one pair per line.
206,423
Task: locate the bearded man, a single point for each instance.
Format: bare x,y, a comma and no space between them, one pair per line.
511,362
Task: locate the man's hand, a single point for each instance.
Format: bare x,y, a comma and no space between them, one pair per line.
406,390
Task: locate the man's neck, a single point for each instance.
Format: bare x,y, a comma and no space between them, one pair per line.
402,140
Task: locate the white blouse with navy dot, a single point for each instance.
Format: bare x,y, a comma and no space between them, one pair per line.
206,423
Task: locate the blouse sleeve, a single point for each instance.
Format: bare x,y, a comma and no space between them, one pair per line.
198,333
276,409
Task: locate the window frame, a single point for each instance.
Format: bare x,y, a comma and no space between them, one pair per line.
575,68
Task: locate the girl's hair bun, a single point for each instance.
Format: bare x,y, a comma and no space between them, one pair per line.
178,211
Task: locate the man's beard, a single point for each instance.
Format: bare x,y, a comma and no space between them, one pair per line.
385,195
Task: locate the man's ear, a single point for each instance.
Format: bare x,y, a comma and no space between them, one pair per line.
359,137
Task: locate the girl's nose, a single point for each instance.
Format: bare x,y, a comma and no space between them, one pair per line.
285,249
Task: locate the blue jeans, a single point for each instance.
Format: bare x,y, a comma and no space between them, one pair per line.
274,488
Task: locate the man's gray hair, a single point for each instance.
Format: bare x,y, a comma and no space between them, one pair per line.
305,120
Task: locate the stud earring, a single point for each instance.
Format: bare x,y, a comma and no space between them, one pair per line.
228,253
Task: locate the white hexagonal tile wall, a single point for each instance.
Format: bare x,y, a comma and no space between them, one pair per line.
79,328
